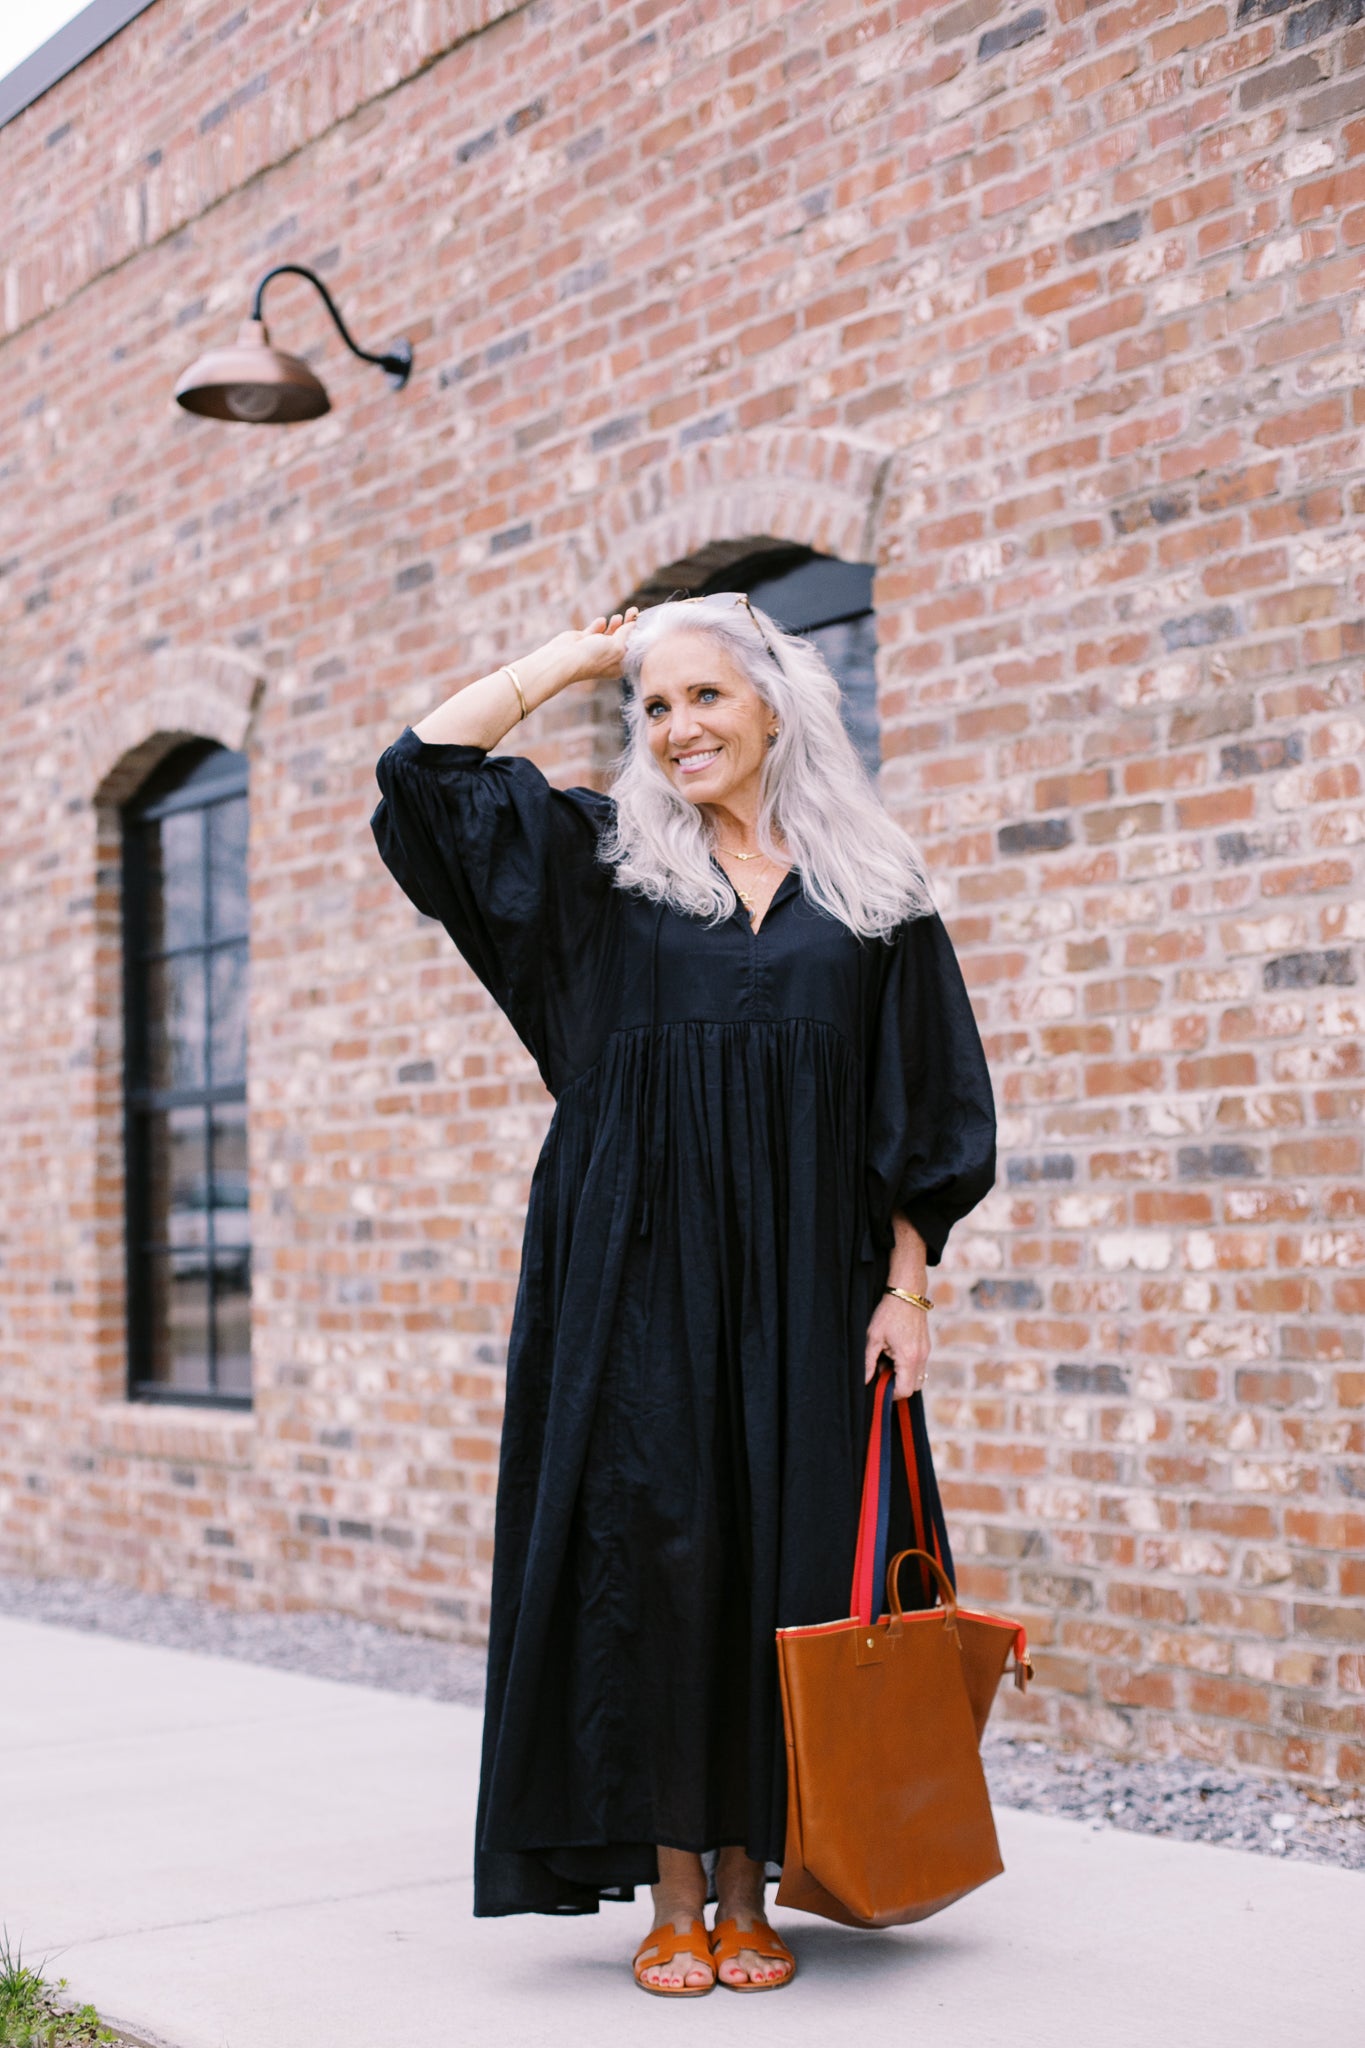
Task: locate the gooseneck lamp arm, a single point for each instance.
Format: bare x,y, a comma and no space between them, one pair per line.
396,362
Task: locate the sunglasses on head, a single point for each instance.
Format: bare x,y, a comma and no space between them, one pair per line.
728,597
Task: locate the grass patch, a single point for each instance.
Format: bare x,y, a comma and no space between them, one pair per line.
35,2014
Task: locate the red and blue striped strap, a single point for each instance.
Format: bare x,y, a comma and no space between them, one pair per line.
870,1557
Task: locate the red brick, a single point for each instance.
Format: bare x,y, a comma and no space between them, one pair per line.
1238,488
1342,1532
1123,312
1191,203
1316,1156
1309,423
1067,291
1228,1700
1157,1206
1115,1077
1285,1756
1234,1518
1188,34
1126,1688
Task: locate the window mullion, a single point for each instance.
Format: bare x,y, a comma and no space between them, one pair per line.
210,1265
211,1247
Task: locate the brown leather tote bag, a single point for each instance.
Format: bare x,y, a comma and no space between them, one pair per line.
888,1816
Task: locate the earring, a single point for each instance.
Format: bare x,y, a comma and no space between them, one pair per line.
772,736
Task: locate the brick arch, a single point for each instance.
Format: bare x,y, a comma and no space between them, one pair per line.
203,693
675,524
715,502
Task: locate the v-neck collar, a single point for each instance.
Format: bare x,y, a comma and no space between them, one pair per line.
792,876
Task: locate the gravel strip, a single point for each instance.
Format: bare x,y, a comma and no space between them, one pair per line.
317,1645
65,2029
1188,1802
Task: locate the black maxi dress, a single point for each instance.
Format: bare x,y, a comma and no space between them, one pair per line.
737,1115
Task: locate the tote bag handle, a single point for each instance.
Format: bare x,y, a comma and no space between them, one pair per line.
947,1590
870,1558
870,1568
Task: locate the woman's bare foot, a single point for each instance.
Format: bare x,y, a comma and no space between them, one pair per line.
679,1898
739,1892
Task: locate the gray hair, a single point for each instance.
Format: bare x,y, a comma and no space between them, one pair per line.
854,860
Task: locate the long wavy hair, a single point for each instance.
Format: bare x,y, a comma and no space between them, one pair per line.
853,859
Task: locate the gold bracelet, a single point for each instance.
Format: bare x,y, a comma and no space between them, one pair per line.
507,669
915,1300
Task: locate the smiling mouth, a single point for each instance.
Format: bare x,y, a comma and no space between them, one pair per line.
689,764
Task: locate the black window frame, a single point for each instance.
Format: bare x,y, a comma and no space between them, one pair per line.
177,786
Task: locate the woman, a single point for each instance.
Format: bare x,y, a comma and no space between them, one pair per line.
772,1105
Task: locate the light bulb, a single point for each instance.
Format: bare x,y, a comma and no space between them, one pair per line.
251,401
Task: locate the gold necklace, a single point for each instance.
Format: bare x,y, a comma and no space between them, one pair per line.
746,900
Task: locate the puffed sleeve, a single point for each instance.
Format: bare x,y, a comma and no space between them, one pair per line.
509,866
931,1124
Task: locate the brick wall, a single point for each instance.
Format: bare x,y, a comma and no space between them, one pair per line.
1055,315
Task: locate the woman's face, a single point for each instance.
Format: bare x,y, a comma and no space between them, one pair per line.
707,726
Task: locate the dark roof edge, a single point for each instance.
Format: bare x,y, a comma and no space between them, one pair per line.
61,53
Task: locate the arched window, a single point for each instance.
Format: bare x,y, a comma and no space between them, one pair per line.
185,978
830,603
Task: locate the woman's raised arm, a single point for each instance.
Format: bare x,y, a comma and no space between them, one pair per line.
484,712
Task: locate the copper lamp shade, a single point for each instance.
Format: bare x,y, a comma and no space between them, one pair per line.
257,385
252,382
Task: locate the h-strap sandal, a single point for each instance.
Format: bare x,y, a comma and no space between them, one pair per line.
727,1940
664,1945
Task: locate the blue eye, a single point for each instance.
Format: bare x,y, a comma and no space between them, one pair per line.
707,693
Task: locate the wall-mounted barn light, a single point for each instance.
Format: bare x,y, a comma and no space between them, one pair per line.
259,385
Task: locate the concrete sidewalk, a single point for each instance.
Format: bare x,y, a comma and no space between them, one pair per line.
220,1856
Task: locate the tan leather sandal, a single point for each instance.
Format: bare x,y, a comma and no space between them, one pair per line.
727,1940
663,1945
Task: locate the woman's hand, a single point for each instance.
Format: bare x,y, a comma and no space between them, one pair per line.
597,652
898,1328
900,1331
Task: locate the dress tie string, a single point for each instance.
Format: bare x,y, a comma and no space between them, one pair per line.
653,1166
